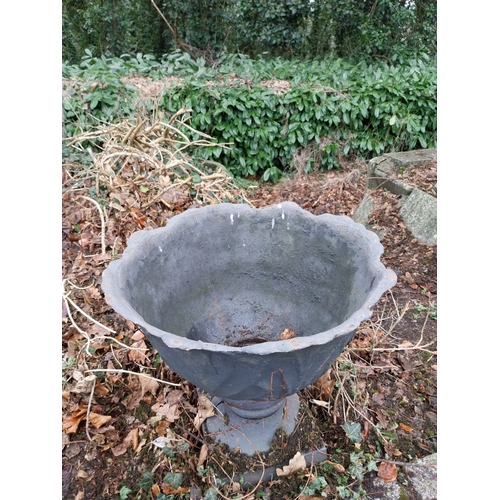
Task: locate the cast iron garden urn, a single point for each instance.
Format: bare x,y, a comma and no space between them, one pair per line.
250,305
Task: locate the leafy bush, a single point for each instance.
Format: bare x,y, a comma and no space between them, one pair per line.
364,109
265,128
350,29
304,116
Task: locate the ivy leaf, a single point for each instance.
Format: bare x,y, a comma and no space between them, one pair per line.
174,479
211,494
356,470
353,431
147,481
124,491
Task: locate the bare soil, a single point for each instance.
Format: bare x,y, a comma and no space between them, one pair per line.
385,380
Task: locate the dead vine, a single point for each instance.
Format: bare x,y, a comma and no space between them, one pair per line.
142,160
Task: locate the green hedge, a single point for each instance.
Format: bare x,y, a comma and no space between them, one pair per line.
377,110
331,107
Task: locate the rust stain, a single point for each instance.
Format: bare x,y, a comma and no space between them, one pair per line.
287,334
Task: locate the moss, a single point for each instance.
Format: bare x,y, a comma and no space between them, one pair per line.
403,494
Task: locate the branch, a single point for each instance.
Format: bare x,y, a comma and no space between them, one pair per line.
183,46
103,226
115,370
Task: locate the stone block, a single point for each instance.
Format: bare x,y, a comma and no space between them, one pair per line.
419,213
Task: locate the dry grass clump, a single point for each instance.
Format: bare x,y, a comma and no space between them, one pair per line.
152,156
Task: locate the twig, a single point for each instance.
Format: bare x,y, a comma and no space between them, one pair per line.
417,346
86,315
405,464
103,226
337,395
73,322
133,373
68,301
353,406
87,423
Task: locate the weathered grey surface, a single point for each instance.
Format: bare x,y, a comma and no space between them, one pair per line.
424,479
413,158
363,211
217,287
382,167
419,213
418,210
422,482
362,215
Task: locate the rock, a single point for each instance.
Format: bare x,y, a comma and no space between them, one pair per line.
421,484
384,166
419,213
362,215
424,479
418,210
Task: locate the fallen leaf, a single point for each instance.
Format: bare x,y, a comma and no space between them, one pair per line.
405,344
161,428
387,472
84,386
203,455
338,467
366,430
174,397
137,355
324,404
133,400
131,439
166,410
98,420
148,385
409,278
391,450
155,490
167,440
169,490
205,410
78,375
325,384
100,390
298,462
138,217
141,444
97,330
135,438
138,335
378,398
382,418
405,427
72,421
112,378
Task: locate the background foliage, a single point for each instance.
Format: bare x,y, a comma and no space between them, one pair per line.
328,106
359,76
287,28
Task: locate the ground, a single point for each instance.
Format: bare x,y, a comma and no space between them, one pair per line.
375,409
